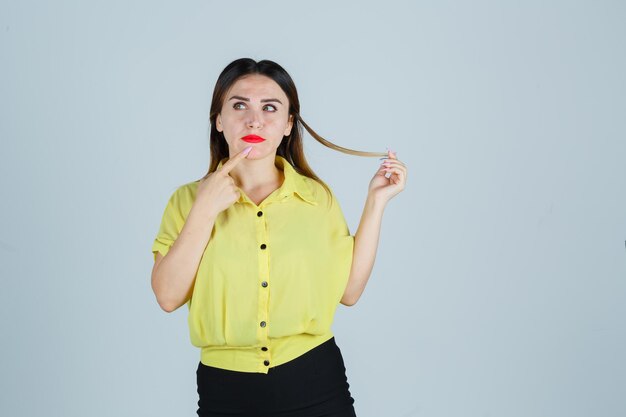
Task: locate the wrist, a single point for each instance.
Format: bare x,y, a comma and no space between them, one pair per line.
202,214
375,202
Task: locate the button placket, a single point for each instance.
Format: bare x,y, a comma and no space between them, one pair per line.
263,280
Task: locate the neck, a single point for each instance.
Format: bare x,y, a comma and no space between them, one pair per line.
251,174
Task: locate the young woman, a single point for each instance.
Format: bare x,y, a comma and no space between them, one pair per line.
261,253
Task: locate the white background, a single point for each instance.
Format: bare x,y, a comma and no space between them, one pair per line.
498,288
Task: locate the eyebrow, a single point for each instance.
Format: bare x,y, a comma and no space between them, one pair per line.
265,100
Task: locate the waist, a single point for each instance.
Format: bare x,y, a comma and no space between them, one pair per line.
261,358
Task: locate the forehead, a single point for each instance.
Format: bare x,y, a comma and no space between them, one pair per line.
256,87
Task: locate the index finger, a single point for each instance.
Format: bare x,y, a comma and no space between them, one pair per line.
232,162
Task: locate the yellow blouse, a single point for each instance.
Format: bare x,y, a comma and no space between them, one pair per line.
271,276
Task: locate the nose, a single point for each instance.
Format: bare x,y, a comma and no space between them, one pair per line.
254,120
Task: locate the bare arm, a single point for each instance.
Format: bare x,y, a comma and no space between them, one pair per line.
381,190
365,246
173,274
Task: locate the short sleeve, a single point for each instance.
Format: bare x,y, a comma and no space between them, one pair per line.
341,246
172,223
338,224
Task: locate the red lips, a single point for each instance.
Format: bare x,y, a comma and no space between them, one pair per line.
252,139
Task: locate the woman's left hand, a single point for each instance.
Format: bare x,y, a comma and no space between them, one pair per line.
382,188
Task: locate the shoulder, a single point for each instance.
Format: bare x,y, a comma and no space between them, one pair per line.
184,195
325,198
188,190
316,191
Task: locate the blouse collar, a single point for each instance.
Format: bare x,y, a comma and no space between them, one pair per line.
293,183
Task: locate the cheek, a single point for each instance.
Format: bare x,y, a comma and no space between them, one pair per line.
273,123
231,121
278,121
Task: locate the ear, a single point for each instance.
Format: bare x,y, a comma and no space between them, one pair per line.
289,125
218,123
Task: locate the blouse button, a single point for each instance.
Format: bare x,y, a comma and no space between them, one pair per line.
260,213
263,324
264,349
266,362
263,246
264,284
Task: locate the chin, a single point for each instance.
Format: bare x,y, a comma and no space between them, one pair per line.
257,153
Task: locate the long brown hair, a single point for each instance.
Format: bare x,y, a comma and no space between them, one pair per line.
291,146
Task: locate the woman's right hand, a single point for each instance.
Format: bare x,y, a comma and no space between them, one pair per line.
217,191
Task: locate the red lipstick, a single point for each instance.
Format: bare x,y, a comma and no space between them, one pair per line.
252,139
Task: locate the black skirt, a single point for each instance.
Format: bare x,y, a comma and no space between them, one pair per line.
311,385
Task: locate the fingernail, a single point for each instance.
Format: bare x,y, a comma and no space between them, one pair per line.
247,150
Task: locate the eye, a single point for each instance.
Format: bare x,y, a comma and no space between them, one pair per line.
269,107
272,106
